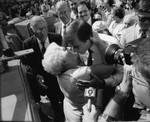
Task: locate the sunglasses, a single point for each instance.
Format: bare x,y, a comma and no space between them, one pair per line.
73,4
144,19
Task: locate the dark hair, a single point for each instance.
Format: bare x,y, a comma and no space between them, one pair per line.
144,6
141,57
83,2
119,12
78,28
134,4
84,31
110,3
4,16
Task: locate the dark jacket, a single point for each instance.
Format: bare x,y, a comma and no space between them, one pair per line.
34,60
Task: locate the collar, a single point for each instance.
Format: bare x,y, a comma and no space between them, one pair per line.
138,29
67,23
89,21
45,44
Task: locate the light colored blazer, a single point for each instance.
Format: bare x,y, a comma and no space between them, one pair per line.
58,27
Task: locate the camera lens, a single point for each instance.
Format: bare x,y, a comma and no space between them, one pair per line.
110,53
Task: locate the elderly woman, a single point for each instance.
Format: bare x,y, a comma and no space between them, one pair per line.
129,20
62,63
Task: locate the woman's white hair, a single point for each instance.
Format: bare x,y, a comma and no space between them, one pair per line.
54,59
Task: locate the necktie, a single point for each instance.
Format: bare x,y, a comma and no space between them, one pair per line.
143,35
43,47
64,30
89,63
64,43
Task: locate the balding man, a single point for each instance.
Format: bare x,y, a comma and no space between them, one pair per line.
41,39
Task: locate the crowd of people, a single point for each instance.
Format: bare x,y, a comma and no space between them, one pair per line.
72,59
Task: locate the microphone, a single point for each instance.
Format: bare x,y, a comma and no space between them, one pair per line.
90,94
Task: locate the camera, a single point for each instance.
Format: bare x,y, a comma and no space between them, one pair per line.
114,54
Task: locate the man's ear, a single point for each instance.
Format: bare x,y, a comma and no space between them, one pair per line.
30,30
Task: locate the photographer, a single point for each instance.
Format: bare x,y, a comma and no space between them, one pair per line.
137,78
140,28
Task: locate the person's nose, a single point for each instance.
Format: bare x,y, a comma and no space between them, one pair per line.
147,22
75,50
125,25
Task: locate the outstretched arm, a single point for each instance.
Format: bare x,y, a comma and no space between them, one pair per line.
114,109
100,68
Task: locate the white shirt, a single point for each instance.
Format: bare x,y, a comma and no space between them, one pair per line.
115,28
46,44
89,21
108,40
62,31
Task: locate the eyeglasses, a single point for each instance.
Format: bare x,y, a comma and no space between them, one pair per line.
41,29
144,19
128,24
63,13
73,4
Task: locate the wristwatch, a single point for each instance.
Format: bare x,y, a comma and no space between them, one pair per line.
107,118
120,92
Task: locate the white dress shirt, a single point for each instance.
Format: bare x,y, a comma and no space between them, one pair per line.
46,44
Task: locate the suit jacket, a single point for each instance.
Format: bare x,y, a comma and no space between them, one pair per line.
34,60
58,30
58,26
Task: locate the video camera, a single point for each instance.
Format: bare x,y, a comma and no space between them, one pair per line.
114,54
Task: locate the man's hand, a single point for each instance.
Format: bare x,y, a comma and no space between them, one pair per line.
89,116
94,82
40,80
126,84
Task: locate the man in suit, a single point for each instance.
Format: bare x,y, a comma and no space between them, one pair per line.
81,37
40,40
63,10
140,27
84,12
